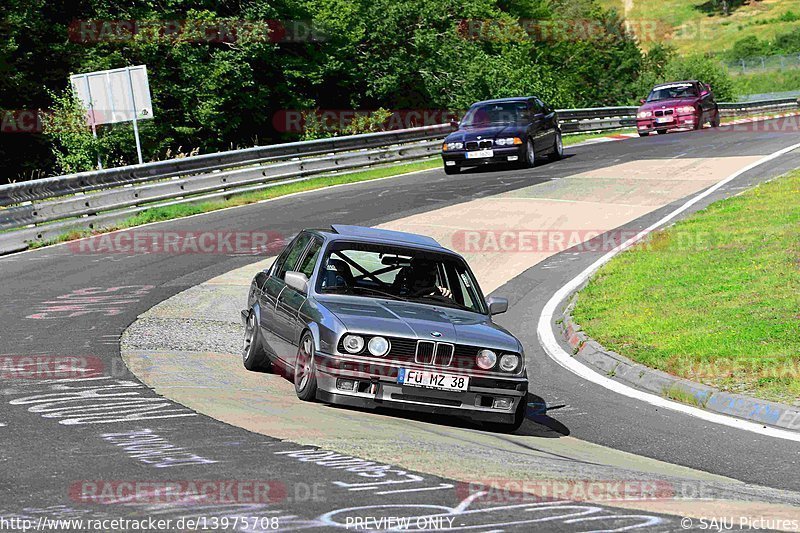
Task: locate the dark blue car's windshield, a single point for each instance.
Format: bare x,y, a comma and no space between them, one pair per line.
502,113
399,273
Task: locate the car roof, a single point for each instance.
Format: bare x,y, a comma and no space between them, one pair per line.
504,100
383,235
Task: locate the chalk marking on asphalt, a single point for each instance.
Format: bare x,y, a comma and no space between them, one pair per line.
548,341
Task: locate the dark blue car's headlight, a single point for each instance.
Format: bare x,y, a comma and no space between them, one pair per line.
453,146
508,141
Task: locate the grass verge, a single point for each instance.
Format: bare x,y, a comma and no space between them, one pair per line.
158,214
714,298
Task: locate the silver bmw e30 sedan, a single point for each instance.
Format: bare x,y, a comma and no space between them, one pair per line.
376,318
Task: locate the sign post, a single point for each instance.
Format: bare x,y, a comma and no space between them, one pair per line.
118,95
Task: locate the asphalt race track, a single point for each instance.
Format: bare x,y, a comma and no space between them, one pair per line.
68,445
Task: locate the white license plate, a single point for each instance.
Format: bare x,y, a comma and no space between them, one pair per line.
480,154
663,120
432,380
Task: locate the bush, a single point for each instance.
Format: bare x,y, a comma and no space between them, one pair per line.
74,147
702,68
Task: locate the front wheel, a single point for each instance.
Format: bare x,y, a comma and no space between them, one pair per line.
558,147
305,372
662,132
644,134
253,356
529,157
715,122
451,170
510,427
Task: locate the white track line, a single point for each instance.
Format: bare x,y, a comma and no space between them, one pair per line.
548,340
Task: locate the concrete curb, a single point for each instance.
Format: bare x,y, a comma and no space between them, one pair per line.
618,367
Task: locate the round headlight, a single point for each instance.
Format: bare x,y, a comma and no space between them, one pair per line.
353,343
509,362
378,346
486,359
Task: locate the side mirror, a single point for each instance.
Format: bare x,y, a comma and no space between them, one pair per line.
705,92
296,280
642,101
453,123
497,305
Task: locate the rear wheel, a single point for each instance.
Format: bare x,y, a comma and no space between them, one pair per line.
451,170
305,372
254,357
662,132
529,157
644,134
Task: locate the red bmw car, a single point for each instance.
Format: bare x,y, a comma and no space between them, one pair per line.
681,104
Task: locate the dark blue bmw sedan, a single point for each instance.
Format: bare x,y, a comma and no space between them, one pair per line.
508,130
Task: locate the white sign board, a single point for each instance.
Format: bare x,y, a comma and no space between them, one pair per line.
113,95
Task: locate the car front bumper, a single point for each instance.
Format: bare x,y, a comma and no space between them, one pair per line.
649,125
375,385
500,155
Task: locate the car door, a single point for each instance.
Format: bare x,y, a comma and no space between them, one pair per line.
271,291
550,125
288,323
707,103
538,131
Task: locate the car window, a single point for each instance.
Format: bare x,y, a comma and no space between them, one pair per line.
497,113
538,106
310,258
683,90
394,272
293,254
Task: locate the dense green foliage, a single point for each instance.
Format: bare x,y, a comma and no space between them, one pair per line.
368,54
753,46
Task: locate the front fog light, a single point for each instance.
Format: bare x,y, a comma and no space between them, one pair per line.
353,343
378,346
502,403
345,384
486,359
509,362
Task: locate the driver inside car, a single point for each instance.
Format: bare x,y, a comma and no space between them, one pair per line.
419,279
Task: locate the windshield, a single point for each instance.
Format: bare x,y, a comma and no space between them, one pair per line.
502,113
672,91
398,273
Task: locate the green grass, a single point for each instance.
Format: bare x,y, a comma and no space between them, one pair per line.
157,214
719,32
715,298
767,82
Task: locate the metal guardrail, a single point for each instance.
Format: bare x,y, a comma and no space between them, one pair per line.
40,210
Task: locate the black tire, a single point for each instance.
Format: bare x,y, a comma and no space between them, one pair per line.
715,122
644,134
558,148
451,170
529,155
254,357
305,372
662,132
519,419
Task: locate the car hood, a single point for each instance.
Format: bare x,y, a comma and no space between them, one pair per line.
471,133
418,321
672,102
